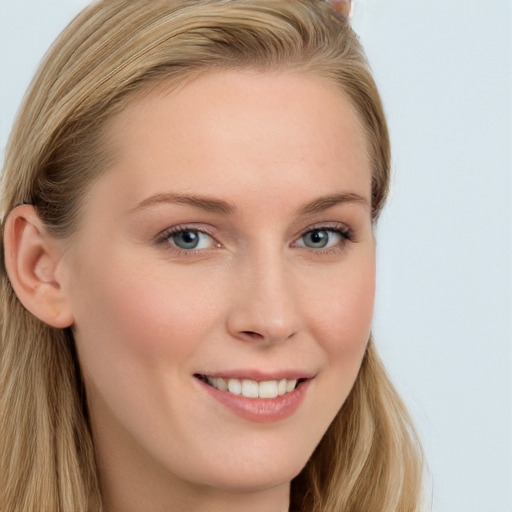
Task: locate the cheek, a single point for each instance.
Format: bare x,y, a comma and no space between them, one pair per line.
139,315
342,329
340,317
344,312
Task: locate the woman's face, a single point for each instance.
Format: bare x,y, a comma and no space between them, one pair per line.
229,245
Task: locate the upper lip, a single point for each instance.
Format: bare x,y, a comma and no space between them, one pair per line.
260,375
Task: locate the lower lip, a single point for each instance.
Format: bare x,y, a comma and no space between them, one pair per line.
260,410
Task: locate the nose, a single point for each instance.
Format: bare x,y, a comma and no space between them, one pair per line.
264,306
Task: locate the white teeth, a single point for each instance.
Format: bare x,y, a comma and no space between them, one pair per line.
253,389
221,384
268,389
250,388
235,386
290,385
281,387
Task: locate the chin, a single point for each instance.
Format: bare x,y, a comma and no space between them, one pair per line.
254,474
251,480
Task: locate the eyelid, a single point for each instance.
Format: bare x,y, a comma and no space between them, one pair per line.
163,237
328,226
345,232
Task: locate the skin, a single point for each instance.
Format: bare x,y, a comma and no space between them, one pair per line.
148,316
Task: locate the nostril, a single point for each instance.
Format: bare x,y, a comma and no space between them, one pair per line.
253,335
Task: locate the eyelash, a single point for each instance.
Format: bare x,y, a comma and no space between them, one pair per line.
342,230
163,239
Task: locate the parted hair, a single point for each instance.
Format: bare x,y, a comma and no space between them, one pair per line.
114,51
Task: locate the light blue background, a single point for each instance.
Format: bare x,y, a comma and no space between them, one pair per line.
444,304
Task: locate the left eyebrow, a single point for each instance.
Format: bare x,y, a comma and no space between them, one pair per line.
324,203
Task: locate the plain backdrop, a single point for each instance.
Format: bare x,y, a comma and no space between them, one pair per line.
444,300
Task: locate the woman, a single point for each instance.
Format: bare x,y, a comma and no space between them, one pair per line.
188,204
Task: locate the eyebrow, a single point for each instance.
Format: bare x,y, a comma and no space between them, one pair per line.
214,205
324,203
207,203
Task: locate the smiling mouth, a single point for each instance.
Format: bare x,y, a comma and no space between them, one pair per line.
252,388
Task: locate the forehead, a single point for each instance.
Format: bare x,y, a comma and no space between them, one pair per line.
239,128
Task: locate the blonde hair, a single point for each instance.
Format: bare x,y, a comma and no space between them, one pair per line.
115,50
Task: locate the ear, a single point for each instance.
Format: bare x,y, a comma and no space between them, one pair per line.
31,259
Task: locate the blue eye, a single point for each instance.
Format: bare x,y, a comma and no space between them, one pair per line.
190,239
322,238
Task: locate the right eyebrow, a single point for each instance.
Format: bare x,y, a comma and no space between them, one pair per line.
206,203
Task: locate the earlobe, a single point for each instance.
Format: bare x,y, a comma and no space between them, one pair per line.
31,260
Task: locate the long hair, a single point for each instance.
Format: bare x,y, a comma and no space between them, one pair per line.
113,52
